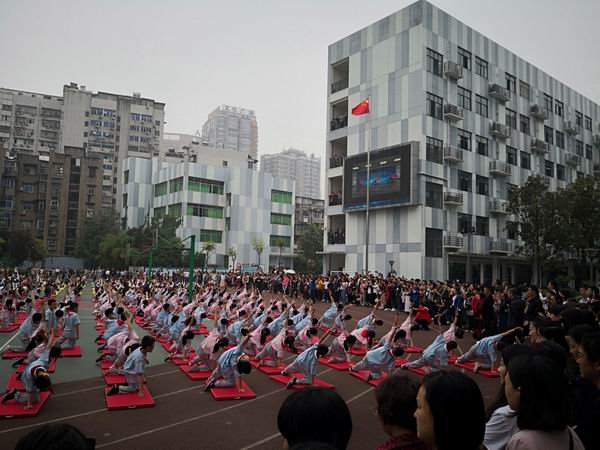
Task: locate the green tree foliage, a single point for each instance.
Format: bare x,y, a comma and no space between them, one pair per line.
93,233
259,246
232,252
113,250
310,243
207,248
20,246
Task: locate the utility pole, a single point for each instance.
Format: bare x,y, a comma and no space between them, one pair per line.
192,266
368,191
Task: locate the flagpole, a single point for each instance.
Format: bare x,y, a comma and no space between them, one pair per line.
368,189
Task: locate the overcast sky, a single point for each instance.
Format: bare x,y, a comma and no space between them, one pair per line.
266,55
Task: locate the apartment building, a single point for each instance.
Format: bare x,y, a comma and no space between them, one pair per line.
305,170
307,211
456,123
232,128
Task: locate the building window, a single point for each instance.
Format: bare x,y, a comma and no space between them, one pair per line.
277,241
511,118
160,189
464,139
560,172
161,212
433,243
482,145
548,102
465,181
579,118
434,62
433,195
482,226
559,108
524,124
587,123
29,188
482,184
464,98
511,83
126,177
579,148
434,106
176,185
548,134
511,155
92,172
464,58
197,210
206,185
560,139
549,168
8,182
281,196
175,210
464,223
481,105
39,224
524,89
588,151
525,160
281,219
434,150
214,236
481,67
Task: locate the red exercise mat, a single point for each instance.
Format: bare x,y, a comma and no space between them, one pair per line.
129,400
413,349
10,354
13,383
344,365
74,352
231,393
106,365
269,370
51,367
101,341
358,351
452,360
485,372
401,361
418,370
166,346
9,328
181,361
12,409
114,378
195,376
283,379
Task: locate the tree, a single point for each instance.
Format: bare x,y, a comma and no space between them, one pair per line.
20,246
93,232
259,246
530,207
207,248
113,250
310,242
233,255
280,242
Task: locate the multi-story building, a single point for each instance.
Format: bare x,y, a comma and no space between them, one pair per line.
220,199
51,196
112,125
232,128
457,122
307,211
303,169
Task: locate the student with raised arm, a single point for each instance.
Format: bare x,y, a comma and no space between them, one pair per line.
436,355
230,367
134,369
485,352
306,363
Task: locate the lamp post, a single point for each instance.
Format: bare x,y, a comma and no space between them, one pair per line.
391,263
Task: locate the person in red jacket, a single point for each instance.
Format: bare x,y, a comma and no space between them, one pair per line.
475,318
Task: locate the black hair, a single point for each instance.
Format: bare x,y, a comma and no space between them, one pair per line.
28,300
147,341
132,348
378,322
349,341
454,399
36,317
322,350
397,351
166,306
313,445
222,342
312,331
188,336
289,342
460,333
54,437
55,352
553,351
578,331
591,345
314,322
289,322
396,398
42,382
223,321
244,367
347,317
73,306
175,318
51,301
59,313
400,334
244,332
108,312
340,306
269,319
263,335
544,400
451,345
120,310
314,414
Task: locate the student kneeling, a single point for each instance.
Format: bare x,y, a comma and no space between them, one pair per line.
134,369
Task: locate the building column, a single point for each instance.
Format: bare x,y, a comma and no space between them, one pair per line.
504,273
495,275
512,274
481,272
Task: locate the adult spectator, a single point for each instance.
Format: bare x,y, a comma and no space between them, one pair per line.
314,414
589,365
537,389
516,309
56,437
396,404
450,413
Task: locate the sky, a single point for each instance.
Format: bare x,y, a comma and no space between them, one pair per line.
266,55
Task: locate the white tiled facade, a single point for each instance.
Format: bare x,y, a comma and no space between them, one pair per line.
484,120
303,169
231,128
242,205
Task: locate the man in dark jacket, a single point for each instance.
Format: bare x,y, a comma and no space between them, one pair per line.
488,315
516,311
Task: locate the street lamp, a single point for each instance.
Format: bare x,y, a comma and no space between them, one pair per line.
468,231
391,263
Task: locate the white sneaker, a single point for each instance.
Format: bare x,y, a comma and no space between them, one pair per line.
476,367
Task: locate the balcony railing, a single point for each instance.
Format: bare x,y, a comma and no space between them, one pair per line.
596,140
539,112
498,206
453,70
336,161
499,130
539,146
453,198
339,85
500,168
498,92
500,246
339,122
335,199
453,112
572,159
453,154
572,127
453,242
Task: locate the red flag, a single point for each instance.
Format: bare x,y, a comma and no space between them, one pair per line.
361,108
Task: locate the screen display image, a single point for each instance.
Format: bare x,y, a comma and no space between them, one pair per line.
389,178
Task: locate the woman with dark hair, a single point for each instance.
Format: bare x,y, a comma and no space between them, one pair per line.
396,404
315,415
56,437
447,401
502,419
537,389
588,359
